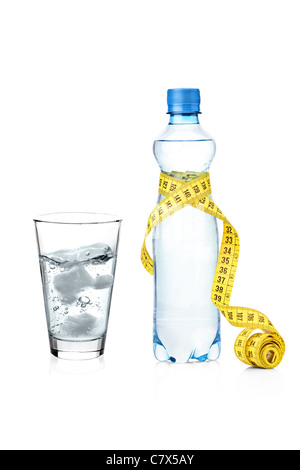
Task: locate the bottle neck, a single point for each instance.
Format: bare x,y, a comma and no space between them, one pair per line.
184,119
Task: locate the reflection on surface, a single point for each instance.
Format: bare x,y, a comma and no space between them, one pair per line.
269,383
62,366
199,379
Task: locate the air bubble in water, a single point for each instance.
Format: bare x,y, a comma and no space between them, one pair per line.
84,300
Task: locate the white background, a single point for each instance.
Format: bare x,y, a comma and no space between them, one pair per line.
83,95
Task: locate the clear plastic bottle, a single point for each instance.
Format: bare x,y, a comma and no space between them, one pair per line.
185,245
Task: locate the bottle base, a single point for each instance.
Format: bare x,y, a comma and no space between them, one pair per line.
161,353
80,350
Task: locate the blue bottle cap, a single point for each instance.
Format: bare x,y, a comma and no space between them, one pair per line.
183,101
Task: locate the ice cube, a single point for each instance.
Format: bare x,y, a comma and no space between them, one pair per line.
70,284
102,282
73,277
79,325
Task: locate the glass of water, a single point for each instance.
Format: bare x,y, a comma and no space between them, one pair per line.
78,255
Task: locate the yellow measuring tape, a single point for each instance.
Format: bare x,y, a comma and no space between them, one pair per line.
264,350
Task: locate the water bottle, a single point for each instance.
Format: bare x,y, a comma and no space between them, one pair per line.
185,245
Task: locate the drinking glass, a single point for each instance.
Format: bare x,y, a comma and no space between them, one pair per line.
78,255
